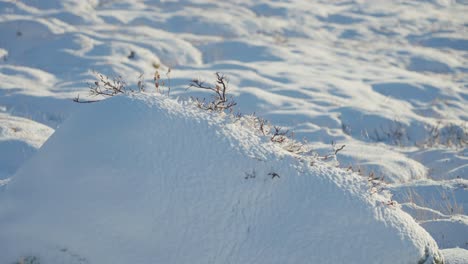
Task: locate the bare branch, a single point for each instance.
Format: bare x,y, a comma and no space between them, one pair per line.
278,135
77,100
107,87
274,175
339,149
220,101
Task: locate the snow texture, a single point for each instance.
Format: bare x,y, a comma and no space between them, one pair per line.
151,180
388,79
455,256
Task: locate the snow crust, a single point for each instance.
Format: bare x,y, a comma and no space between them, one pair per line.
151,180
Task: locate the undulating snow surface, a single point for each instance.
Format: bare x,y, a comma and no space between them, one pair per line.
388,79
149,180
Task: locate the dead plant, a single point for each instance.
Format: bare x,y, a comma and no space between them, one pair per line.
220,100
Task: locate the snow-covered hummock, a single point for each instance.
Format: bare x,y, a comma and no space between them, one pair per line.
151,180
438,208
455,255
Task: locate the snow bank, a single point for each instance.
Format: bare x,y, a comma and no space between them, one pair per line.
449,233
455,255
439,207
151,180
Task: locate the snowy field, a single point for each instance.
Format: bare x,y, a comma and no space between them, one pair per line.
387,79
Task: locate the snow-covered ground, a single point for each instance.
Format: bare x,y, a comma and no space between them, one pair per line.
388,79
156,181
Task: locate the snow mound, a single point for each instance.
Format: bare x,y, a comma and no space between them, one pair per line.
449,233
151,180
455,255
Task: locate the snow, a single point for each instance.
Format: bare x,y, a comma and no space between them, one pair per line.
148,179
449,233
19,140
455,255
438,207
388,79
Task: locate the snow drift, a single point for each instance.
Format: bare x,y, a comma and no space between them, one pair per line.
151,180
